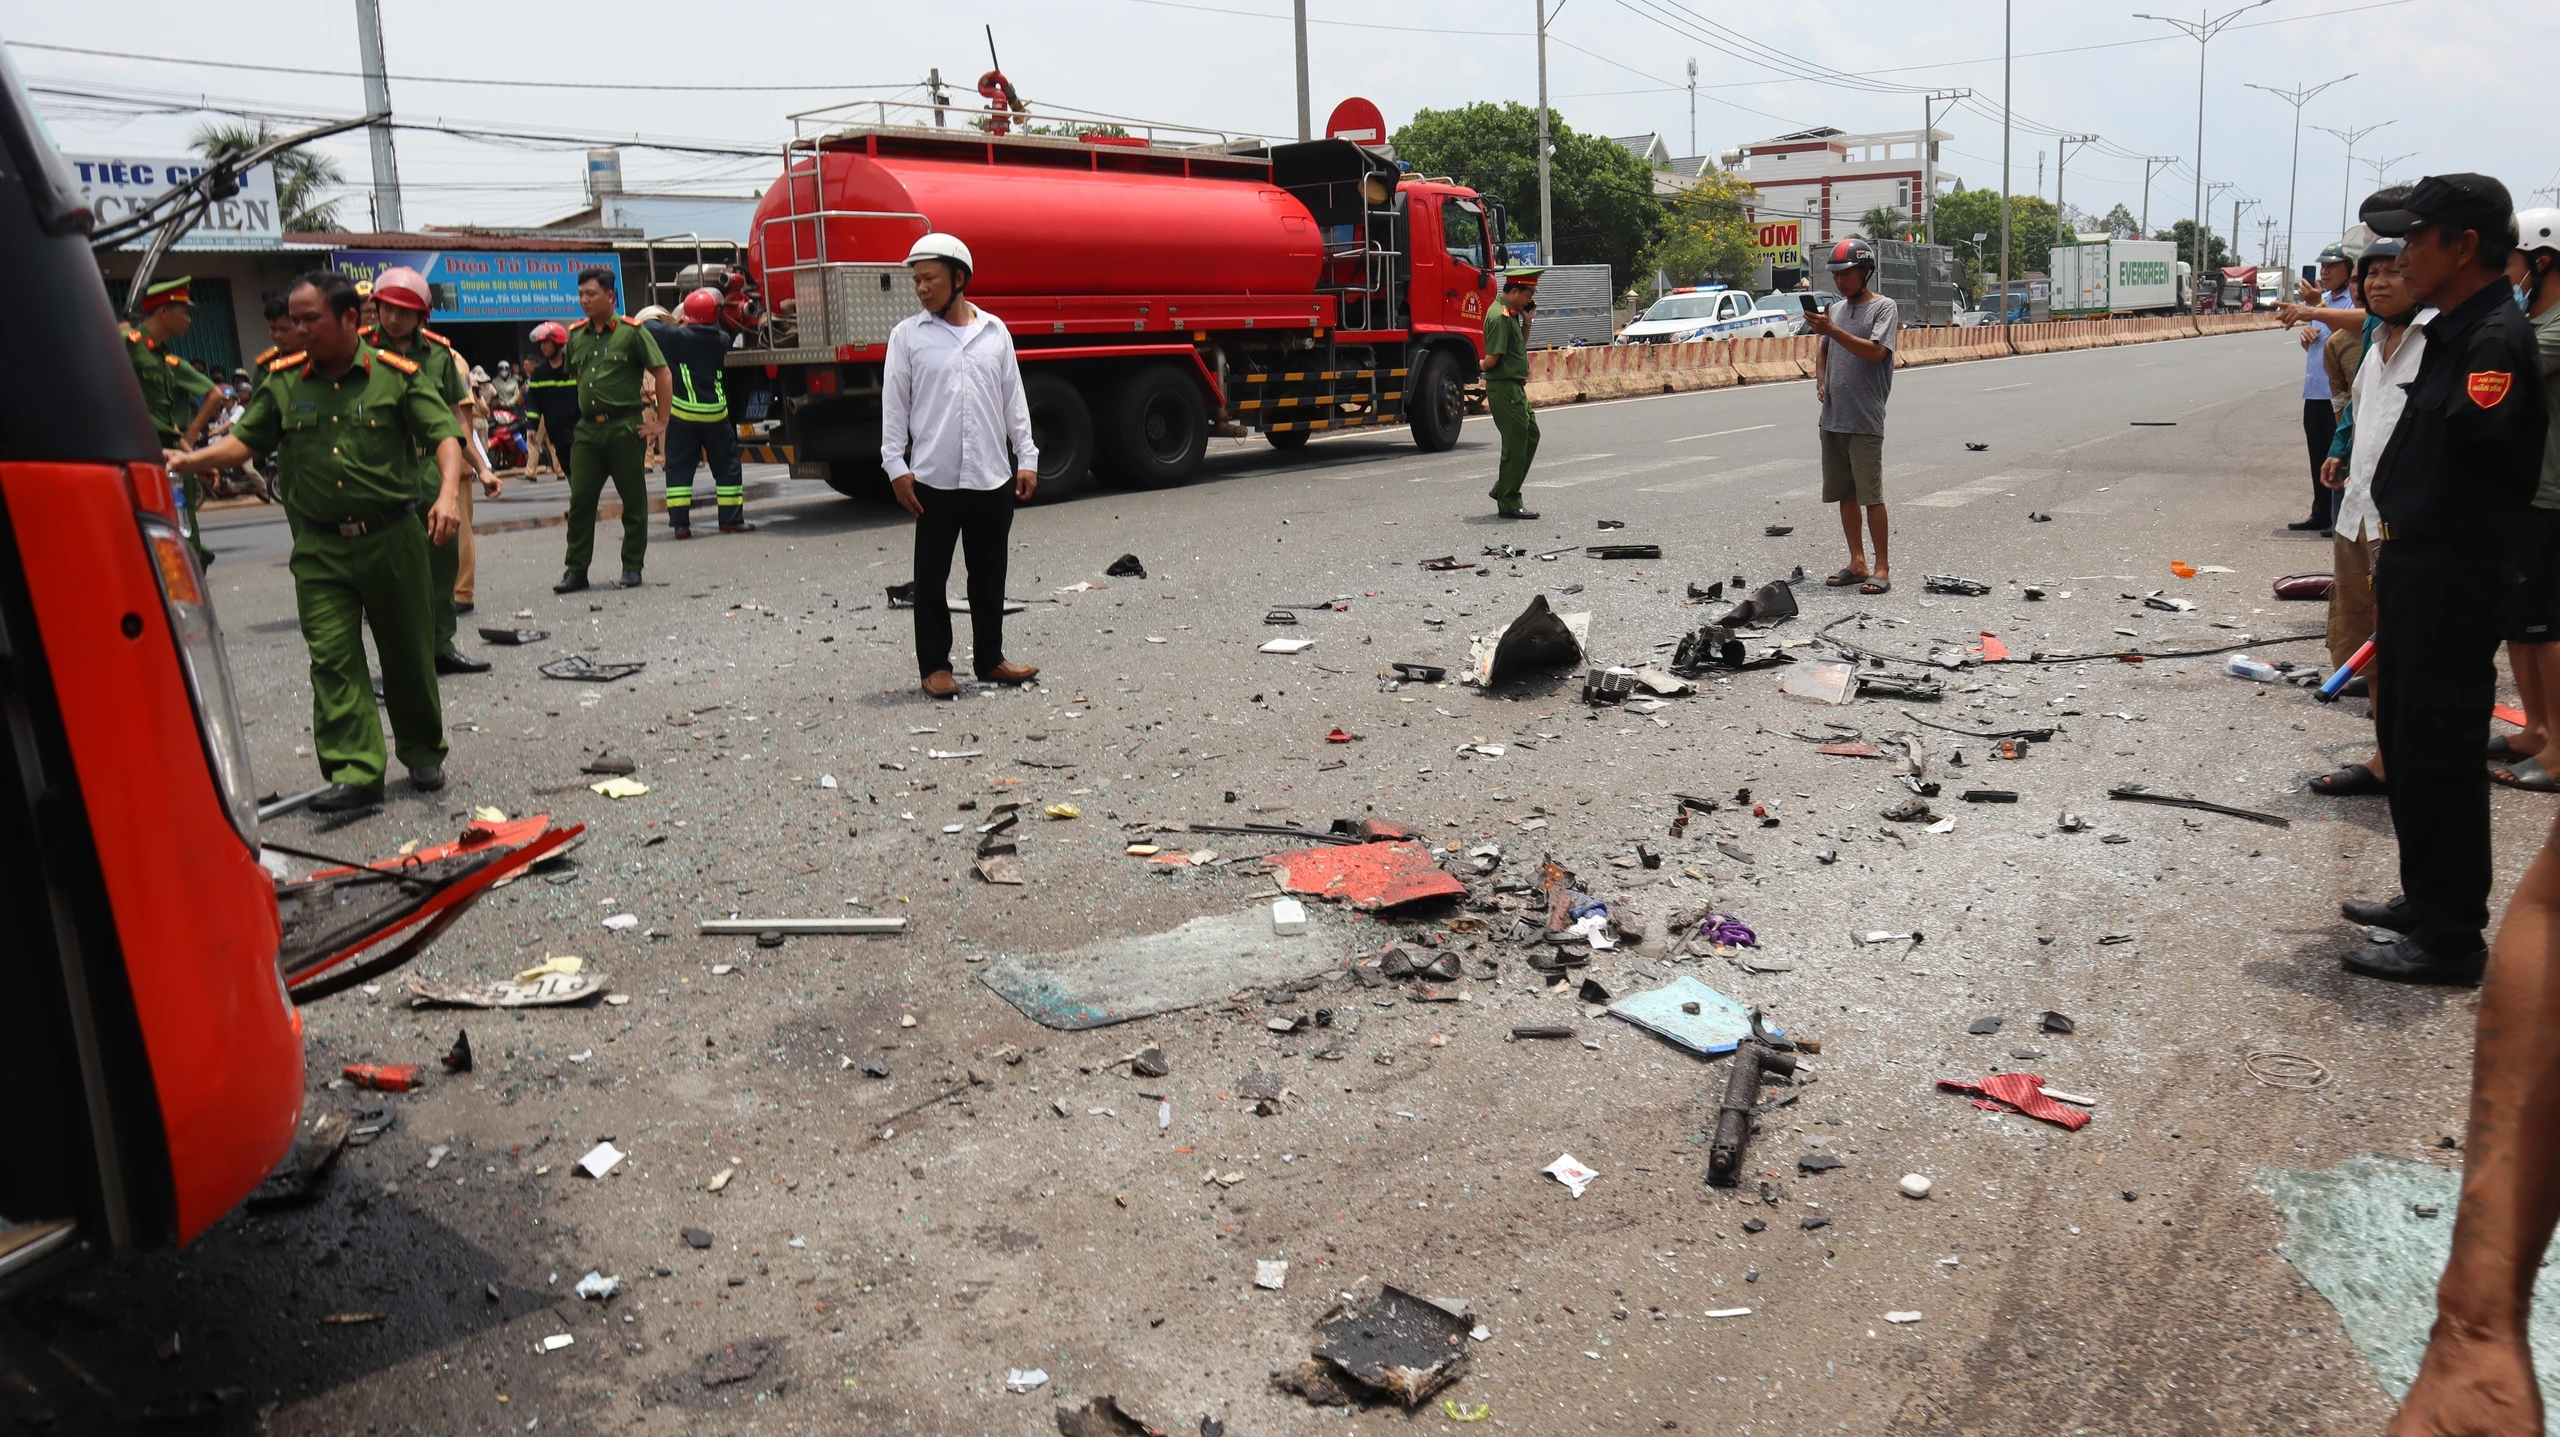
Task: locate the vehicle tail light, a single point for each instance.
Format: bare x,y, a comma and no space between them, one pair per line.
822,381
199,639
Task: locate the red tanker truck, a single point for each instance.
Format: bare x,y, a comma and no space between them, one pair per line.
1158,294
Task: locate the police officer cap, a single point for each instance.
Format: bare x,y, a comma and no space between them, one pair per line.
1522,276
2458,202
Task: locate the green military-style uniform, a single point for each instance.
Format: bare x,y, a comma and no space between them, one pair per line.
441,370
608,364
173,390
359,547
1506,394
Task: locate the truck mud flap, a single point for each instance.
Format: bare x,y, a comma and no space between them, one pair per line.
337,920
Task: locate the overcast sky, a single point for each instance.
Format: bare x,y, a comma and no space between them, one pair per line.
2446,80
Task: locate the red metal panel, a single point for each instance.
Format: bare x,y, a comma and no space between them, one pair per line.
195,914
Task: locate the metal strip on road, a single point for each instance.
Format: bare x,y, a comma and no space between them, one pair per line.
1959,495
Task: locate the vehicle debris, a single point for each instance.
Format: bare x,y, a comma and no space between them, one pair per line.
2136,793
1270,1275
578,668
546,988
619,788
1288,917
750,927
2053,1022
457,1059
1127,566
1826,681
1419,673
1693,1015
1778,531
1757,1056
1539,641
596,1287
383,1077
2017,1093
513,637
1624,551
1025,1379
1369,876
1953,584
296,1178
1771,603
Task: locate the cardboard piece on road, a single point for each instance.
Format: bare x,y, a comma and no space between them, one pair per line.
1369,876
1539,639
551,990
1114,980
1717,1027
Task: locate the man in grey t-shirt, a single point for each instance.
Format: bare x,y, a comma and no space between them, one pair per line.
1855,379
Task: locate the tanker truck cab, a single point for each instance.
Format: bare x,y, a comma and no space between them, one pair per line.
1158,294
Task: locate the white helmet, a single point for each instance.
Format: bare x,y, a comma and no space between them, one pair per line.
938,245
2538,229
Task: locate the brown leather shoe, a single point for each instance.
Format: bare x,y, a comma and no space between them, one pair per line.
1009,673
941,684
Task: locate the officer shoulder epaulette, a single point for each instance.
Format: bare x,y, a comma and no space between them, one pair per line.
266,354
576,325
398,362
438,338
626,319
134,336
284,362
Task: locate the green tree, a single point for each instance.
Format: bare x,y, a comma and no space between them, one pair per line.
1884,222
1707,233
2120,223
1605,211
302,175
1962,216
2183,233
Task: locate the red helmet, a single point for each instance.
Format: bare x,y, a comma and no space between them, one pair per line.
550,330
1852,253
701,307
404,287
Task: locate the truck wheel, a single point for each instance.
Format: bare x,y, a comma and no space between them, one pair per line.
1159,428
861,480
1435,402
1062,430
1288,441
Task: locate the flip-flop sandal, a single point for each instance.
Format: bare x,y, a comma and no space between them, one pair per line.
1845,578
1876,586
2502,749
2529,775
2352,781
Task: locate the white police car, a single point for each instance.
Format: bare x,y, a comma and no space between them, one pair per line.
1705,312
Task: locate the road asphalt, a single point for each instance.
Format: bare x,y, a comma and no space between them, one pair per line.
874,1269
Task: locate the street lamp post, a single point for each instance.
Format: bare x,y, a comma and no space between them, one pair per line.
2006,204
2347,194
2297,97
1546,191
2382,168
2202,29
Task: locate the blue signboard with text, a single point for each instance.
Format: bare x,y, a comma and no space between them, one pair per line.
478,284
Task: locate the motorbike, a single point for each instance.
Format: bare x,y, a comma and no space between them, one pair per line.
507,449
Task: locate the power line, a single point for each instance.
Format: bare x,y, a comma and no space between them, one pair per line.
443,79
1344,24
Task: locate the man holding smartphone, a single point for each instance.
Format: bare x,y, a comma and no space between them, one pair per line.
1506,387
1855,379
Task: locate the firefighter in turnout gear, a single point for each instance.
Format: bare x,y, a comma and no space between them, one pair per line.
609,356
551,394
401,301
701,430
182,400
348,422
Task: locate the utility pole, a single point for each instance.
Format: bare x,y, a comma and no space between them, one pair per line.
2151,164
2347,195
2237,205
1928,152
1693,104
2297,97
1306,111
2266,241
1546,189
2202,29
2039,174
377,100
2204,227
2061,158
2006,30
940,97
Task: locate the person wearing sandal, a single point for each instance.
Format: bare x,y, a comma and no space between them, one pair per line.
1855,379
2392,352
2534,583
951,407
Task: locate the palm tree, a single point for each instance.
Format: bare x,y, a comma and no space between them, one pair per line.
301,174
1884,222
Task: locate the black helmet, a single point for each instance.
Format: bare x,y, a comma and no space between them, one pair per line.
1852,253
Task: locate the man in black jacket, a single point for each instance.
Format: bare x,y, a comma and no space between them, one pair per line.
700,429
2460,468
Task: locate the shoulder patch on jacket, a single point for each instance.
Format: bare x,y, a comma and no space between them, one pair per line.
264,355
284,362
626,319
438,338
577,324
2488,387
398,362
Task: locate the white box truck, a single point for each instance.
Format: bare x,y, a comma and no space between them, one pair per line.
2115,277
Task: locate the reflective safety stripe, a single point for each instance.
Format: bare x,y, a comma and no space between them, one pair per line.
679,496
690,404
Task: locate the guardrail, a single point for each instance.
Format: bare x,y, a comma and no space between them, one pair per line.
1620,371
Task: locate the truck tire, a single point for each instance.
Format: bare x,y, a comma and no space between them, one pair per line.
861,480
1288,441
1062,430
1158,428
1435,402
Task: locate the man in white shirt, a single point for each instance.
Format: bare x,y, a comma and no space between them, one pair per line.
2390,363
955,432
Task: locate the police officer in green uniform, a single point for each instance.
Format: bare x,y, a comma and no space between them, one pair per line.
401,303
701,431
608,354
345,420
181,398
1506,386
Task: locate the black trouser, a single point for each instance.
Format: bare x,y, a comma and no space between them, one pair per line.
981,522
690,441
2437,653
2319,426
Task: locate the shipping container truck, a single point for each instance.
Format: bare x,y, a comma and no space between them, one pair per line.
1158,293
1576,305
2115,277
1920,279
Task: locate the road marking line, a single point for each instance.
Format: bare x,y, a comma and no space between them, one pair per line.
1963,494
2019,385
1719,434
